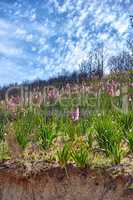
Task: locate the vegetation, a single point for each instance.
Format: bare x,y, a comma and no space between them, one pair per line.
70,129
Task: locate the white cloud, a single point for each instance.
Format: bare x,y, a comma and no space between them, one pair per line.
121,26
20,32
9,50
29,38
33,17
103,36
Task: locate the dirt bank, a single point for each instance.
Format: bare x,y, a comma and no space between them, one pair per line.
18,183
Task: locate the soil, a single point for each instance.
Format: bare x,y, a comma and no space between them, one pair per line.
38,181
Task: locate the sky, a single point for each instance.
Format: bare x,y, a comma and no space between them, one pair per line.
40,38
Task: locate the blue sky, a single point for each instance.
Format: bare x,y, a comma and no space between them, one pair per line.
39,38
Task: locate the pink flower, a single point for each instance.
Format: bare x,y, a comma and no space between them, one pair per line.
111,92
14,101
75,114
117,94
113,89
68,87
53,94
130,98
131,84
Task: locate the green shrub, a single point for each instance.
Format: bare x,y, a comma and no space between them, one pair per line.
90,137
1,131
125,121
81,156
63,155
45,136
70,129
4,117
84,126
109,138
23,127
21,132
116,153
130,140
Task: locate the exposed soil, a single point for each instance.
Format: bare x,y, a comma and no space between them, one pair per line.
52,183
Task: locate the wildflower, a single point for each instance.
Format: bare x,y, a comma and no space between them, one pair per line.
117,93
36,97
68,87
53,94
130,98
14,102
131,84
75,114
99,114
87,89
112,89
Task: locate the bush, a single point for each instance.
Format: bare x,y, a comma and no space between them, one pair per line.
24,126
130,140
125,121
63,155
4,115
81,156
45,136
109,138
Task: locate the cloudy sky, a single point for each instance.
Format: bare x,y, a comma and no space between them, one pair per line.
39,38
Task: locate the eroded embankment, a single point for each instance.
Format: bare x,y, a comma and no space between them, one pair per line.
53,183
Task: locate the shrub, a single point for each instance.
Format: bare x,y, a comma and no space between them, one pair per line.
130,140
109,138
70,129
1,131
45,136
21,132
90,137
3,121
116,153
63,155
81,156
125,121
23,127
84,126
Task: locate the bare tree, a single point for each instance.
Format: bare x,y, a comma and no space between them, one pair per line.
131,20
120,62
86,66
94,64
